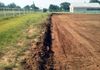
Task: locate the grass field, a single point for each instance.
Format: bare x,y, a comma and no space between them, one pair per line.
15,35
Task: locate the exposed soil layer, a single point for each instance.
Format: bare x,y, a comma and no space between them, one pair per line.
41,55
68,42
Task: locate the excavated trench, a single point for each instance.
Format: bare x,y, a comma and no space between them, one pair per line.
46,54
41,57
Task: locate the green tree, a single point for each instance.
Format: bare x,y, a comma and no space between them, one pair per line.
12,5
64,6
18,7
2,5
27,7
34,8
45,10
54,8
94,1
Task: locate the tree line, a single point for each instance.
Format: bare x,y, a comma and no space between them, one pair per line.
52,8
95,1
13,5
64,7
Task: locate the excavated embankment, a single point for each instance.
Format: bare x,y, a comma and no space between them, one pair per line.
41,57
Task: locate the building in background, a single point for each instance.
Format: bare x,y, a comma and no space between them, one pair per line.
85,7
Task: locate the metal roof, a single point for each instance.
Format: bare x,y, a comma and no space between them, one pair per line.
85,5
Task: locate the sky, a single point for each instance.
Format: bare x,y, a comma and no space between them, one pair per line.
39,3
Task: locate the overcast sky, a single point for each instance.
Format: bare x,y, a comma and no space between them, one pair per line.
39,3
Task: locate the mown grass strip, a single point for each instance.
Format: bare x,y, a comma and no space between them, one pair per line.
11,29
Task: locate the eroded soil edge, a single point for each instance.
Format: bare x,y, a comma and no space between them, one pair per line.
41,56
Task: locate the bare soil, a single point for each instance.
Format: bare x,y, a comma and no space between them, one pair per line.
76,43
69,42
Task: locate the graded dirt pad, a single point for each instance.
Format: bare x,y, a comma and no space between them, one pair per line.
76,41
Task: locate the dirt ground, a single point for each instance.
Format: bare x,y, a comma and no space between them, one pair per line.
76,41
68,42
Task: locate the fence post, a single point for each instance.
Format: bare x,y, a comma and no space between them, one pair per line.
4,12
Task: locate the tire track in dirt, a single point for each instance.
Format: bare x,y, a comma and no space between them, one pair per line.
81,38
71,51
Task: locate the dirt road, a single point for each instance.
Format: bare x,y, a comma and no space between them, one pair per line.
76,41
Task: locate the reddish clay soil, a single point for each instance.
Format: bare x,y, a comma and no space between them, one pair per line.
76,41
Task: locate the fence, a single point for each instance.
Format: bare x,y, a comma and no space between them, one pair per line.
7,12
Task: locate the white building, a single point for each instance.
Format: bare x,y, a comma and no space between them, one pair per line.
85,7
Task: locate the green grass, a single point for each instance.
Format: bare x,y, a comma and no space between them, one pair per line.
14,29
10,30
